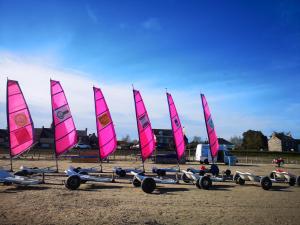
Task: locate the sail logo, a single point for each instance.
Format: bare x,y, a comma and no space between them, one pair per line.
176,121
104,119
211,123
20,119
62,113
22,135
144,121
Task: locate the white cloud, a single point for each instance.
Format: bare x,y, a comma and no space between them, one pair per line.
91,14
152,24
34,75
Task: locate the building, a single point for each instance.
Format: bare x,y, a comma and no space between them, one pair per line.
280,142
164,139
226,144
44,137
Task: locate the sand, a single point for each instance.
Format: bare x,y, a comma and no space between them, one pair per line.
121,203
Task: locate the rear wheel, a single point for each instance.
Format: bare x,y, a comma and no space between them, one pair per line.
148,185
73,182
235,178
205,183
121,172
185,178
298,180
198,183
292,181
266,183
214,169
136,182
228,173
240,181
161,173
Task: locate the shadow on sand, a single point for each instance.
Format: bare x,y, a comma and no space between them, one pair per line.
222,187
95,187
16,189
165,190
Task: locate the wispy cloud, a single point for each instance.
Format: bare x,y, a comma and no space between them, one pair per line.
91,14
230,117
152,24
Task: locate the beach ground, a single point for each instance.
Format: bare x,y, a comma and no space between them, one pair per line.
121,203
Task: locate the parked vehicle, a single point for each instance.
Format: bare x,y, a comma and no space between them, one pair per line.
224,155
82,146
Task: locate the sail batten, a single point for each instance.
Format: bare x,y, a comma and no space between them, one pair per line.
210,128
146,136
65,134
176,128
19,121
107,138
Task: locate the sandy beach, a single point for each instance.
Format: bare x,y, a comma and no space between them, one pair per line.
121,203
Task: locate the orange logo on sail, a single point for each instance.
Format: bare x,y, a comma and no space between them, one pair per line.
20,119
104,119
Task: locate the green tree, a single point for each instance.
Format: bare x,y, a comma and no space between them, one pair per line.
254,140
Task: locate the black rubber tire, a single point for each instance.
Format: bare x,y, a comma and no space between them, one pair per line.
198,183
73,182
292,181
185,179
214,169
83,173
241,181
148,185
227,173
235,178
7,183
22,173
205,182
161,173
265,183
121,172
272,175
206,161
201,172
136,182
298,181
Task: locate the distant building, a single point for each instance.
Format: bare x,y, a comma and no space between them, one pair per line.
44,137
164,139
228,145
280,142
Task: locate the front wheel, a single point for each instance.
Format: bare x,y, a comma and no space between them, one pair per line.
205,182
73,182
292,181
148,185
240,181
136,182
266,183
185,178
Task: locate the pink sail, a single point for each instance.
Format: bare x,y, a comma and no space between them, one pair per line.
105,128
210,128
176,128
20,125
146,135
65,133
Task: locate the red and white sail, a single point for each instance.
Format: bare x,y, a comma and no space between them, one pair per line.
107,138
20,125
210,128
65,133
176,128
146,136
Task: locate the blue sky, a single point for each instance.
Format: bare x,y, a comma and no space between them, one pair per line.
244,55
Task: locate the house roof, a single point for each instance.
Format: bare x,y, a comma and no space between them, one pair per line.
222,141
